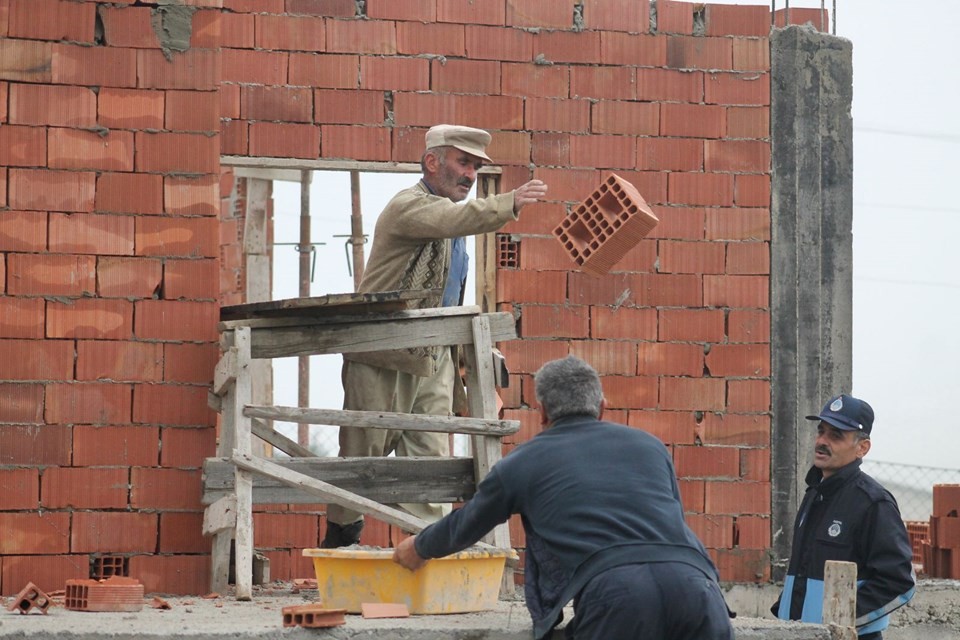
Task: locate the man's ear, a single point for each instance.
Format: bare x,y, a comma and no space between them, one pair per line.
432,163
544,420
603,406
863,446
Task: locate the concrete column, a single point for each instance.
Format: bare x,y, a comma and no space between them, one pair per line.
811,289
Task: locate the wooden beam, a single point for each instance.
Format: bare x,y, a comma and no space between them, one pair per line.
278,440
388,480
283,342
298,311
333,165
243,479
225,372
329,493
220,516
840,597
385,420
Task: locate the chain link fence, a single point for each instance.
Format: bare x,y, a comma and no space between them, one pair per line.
911,485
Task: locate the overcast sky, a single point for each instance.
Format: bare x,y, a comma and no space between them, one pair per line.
906,227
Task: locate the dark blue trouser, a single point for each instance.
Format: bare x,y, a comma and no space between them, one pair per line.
653,601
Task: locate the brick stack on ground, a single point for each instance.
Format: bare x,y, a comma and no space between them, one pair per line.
941,554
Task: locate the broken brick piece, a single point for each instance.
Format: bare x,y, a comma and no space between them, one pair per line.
313,616
384,610
116,593
599,231
30,597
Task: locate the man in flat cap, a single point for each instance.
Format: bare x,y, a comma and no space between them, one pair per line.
414,248
847,515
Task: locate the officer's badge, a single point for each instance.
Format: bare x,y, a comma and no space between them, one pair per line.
837,404
834,529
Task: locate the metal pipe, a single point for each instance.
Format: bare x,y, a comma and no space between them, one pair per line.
356,229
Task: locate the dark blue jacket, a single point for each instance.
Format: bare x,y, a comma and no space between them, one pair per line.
850,517
592,495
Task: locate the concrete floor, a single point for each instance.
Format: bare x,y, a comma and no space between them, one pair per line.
935,615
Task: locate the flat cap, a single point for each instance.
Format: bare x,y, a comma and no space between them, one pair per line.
473,141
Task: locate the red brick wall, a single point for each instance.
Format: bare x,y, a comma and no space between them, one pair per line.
119,235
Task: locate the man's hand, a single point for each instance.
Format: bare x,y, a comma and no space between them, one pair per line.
528,193
406,555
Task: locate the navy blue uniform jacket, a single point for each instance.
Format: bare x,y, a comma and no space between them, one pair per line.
850,517
592,495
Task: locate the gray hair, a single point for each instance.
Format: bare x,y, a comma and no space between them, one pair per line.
568,387
438,152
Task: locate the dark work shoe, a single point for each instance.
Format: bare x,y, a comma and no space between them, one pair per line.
342,535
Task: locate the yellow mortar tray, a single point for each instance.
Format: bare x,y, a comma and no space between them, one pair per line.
460,583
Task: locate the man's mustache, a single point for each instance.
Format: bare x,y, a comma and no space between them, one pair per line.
465,182
823,450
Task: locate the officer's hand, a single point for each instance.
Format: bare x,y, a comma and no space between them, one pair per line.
406,555
528,193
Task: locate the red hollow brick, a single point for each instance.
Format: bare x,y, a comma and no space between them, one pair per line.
95,66
23,231
331,8
697,394
489,12
748,122
424,11
22,317
234,137
521,286
294,33
742,565
509,147
737,88
465,76
738,224
361,36
51,274
547,15
26,60
737,497
715,532
416,38
670,154
274,530
553,321
691,494
671,427
36,359
725,20
612,289
90,403
691,257
545,114
187,237
608,357
550,149
605,83
130,108
183,533
90,318
280,139
622,323
736,291
119,360
669,359
666,289
190,363
755,464
112,533
42,190
751,54
236,30
51,105
630,392
47,572
691,325
733,429
753,190
84,488
496,43
581,47
527,356
190,279
710,189
748,325
34,533
196,69
91,233
192,195
97,150
349,107
632,49
536,80
394,74
603,151
34,444
22,146
691,120
128,27
752,532
176,574
176,320
751,396
109,445
20,489
614,15
669,85
192,111
426,109
164,489
177,153
744,258
355,143
254,66
128,277
187,447
706,462
51,20
742,156
631,118
166,404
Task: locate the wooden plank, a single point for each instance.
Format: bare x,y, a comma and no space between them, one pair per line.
357,338
334,302
386,420
243,535
353,315
329,493
220,516
299,164
278,440
225,372
481,397
255,221
388,480
220,561
840,597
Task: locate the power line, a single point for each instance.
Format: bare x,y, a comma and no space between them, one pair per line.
928,135
905,207
924,283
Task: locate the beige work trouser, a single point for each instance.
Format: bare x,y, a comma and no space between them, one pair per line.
369,388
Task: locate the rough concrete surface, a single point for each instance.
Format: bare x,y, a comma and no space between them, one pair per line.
934,615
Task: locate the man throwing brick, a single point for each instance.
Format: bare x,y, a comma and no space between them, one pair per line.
846,515
604,524
413,248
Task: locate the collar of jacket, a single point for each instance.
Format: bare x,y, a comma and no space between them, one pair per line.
830,485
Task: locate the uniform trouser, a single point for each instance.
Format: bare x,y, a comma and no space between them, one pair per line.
369,388
655,600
